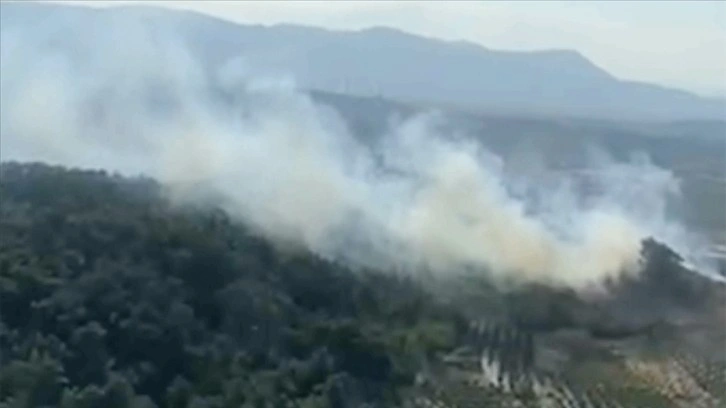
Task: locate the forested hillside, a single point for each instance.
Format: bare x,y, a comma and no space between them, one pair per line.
111,296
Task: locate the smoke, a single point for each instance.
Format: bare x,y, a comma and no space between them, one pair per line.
121,94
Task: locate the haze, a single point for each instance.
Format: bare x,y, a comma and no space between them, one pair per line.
675,44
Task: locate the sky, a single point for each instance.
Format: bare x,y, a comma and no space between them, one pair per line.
680,44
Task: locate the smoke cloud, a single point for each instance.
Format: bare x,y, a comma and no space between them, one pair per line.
124,95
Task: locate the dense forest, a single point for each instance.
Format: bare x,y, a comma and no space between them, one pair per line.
111,296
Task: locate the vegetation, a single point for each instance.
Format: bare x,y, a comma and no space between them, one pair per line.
111,297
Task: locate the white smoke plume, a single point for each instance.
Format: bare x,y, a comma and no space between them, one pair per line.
125,97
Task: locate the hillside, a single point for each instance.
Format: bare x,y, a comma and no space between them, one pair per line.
112,296
382,61
695,151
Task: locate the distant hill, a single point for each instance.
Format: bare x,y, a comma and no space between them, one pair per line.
394,64
693,150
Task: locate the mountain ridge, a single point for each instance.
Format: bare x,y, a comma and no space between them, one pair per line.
403,66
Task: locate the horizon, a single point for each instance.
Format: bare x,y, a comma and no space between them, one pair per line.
624,39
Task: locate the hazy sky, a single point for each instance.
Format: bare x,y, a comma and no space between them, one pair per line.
676,43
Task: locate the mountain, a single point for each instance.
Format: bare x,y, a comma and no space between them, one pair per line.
394,64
